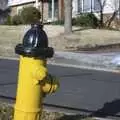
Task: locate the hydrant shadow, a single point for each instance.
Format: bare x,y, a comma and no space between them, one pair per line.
72,117
109,109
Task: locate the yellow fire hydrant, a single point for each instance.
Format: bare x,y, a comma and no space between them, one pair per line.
34,81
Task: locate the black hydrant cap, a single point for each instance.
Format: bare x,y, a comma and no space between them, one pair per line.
35,43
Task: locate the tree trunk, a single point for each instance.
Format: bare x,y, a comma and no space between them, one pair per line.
112,18
68,16
101,19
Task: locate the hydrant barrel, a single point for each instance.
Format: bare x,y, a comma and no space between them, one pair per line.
33,80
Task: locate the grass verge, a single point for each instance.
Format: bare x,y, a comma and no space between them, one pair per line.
10,36
6,113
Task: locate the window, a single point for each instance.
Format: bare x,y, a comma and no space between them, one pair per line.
19,9
55,8
87,5
96,6
79,6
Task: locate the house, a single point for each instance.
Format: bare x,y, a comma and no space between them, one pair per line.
4,11
54,9
94,6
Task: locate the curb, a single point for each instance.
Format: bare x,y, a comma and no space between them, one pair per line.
84,67
97,118
70,65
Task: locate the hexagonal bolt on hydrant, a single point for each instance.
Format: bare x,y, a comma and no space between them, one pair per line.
34,82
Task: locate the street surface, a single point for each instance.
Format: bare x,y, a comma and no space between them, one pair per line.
93,91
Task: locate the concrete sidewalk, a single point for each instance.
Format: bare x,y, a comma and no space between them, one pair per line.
90,60
99,61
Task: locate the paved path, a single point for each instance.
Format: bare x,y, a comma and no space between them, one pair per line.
87,90
109,61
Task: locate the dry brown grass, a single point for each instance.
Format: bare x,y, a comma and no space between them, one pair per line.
12,35
86,38
7,111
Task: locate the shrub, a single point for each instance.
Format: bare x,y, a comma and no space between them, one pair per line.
58,22
86,20
30,15
8,20
16,20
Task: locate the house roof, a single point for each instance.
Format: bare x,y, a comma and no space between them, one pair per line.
19,2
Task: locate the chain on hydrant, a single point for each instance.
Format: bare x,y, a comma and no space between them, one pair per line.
34,81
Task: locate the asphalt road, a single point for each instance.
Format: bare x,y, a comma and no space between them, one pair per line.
96,92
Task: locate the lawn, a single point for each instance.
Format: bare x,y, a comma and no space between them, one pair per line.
81,37
6,113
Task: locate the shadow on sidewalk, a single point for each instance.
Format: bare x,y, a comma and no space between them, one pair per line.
72,117
80,29
109,109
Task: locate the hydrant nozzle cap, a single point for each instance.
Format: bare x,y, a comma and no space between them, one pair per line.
35,43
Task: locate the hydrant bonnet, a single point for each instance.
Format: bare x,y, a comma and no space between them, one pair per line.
35,43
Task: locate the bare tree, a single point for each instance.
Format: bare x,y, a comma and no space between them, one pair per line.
111,18
68,16
102,4
116,7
